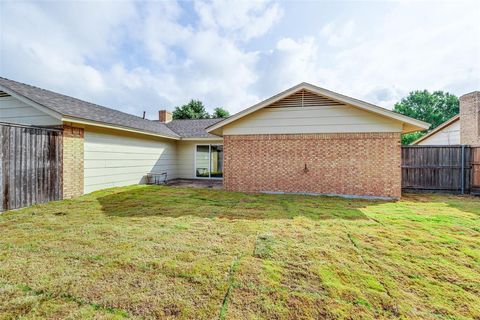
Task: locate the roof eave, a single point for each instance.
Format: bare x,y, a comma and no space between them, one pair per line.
109,126
420,125
201,138
437,129
32,103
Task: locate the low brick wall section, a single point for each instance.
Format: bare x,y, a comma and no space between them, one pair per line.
363,164
73,154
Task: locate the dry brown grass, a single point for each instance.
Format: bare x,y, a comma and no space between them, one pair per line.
168,253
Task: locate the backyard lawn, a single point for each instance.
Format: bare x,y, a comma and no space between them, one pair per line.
163,252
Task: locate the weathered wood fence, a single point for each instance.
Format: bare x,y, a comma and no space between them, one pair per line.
30,165
449,169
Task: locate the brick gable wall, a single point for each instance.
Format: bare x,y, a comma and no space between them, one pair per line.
364,164
73,155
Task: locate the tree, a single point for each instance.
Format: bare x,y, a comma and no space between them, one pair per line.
434,108
192,110
220,113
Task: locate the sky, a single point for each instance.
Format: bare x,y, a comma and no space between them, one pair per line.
147,56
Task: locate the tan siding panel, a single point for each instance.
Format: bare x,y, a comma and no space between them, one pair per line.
447,136
117,159
313,119
186,157
13,110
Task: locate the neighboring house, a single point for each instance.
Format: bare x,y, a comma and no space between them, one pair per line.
303,140
460,129
448,133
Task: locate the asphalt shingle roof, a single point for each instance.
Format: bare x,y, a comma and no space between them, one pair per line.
68,106
193,128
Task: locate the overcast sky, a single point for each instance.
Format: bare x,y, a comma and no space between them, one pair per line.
136,56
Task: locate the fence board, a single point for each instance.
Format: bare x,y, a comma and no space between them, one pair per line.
436,168
31,165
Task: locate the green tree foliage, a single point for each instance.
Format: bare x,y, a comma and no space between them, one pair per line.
196,110
192,110
434,108
220,113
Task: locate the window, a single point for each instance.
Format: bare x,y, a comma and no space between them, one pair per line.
209,161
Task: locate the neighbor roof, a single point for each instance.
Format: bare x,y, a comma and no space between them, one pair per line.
67,108
410,124
193,128
440,127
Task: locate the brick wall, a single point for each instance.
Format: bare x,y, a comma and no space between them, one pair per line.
469,118
73,140
365,164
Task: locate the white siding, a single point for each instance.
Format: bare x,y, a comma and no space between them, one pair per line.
186,157
446,136
13,110
118,159
311,119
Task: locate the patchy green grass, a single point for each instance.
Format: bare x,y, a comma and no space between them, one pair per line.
159,252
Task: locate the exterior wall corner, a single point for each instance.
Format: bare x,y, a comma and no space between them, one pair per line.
470,118
73,161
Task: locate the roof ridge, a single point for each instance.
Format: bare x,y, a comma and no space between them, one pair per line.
70,97
199,119
16,86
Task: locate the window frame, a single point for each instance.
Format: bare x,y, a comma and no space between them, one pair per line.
209,161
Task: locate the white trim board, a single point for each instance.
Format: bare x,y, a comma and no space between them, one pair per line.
410,124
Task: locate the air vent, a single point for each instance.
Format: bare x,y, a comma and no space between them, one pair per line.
4,94
305,98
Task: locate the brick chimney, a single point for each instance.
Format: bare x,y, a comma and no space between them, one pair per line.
164,116
470,118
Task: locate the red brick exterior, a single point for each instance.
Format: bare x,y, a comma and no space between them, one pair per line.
364,164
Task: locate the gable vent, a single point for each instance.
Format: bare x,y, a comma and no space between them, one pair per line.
304,98
4,94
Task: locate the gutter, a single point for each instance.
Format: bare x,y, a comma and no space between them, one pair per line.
122,128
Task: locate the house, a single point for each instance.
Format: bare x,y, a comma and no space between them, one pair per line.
460,129
448,133
303,140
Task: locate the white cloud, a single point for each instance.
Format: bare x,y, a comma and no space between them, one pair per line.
410,50
293,61
404,50
147,56
239,19
201,63
50,46
339,34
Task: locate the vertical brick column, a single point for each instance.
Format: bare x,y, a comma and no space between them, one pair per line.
73,155
469,118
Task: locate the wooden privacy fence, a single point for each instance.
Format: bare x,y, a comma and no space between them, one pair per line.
439,168
30,165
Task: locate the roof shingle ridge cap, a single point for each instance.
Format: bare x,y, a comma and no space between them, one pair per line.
70,97
195,119
84,101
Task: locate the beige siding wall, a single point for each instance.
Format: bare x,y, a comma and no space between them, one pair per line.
314,119
118,159
186,157
447,136
13,110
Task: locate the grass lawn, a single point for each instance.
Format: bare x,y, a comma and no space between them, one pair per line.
160,252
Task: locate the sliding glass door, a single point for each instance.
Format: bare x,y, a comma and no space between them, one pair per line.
209,161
